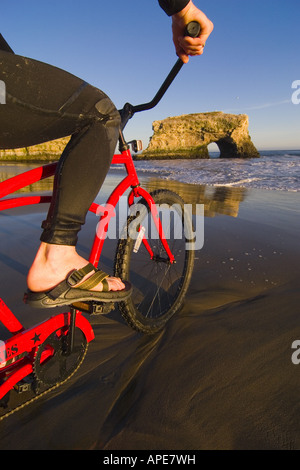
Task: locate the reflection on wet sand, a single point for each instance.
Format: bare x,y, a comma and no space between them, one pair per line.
9,170
219,377
220,200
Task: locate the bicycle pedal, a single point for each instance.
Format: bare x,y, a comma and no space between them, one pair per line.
94,308
102,309
24,386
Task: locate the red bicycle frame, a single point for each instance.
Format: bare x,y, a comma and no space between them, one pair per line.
131,180
18,352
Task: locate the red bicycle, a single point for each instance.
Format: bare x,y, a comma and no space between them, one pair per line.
155,253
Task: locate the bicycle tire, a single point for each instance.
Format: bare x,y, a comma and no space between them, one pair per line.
159,287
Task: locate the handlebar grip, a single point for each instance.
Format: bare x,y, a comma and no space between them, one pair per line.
193,29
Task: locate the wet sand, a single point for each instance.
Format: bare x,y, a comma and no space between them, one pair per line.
220,376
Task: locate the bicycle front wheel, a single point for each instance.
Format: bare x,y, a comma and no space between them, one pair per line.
159,286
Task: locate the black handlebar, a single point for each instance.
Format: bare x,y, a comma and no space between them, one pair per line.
193,30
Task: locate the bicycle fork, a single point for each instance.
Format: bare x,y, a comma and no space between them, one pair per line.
108,212
140,192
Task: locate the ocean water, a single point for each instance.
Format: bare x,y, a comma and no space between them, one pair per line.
276,170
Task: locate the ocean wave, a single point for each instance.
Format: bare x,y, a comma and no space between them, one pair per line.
274,170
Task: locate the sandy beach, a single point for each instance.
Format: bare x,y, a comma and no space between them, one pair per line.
220,376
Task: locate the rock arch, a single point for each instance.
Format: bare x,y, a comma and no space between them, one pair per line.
228,147
189,135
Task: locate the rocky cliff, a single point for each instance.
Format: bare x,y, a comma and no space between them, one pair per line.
185,136
188,136
49,151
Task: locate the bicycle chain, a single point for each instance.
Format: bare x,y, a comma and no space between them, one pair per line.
37,397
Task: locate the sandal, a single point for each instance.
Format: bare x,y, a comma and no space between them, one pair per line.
67,292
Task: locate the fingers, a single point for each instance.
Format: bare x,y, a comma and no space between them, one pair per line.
189,47
192,46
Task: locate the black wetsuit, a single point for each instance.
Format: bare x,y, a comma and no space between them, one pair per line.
44,103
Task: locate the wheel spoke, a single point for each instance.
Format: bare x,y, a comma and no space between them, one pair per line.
159,286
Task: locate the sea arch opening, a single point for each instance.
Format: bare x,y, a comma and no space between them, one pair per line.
213,150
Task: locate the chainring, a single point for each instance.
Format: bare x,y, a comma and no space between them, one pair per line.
53,363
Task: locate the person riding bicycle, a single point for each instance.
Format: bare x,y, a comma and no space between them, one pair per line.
44,103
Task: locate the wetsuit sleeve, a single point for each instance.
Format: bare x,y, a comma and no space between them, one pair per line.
173,6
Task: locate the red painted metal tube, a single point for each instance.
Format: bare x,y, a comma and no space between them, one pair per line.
23,201
15,378
9,320
26,340
29,177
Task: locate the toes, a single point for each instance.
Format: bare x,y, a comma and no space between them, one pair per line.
115,283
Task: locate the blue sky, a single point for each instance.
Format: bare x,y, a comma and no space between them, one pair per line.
125,48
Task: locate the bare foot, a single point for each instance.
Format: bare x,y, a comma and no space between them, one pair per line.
53,263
